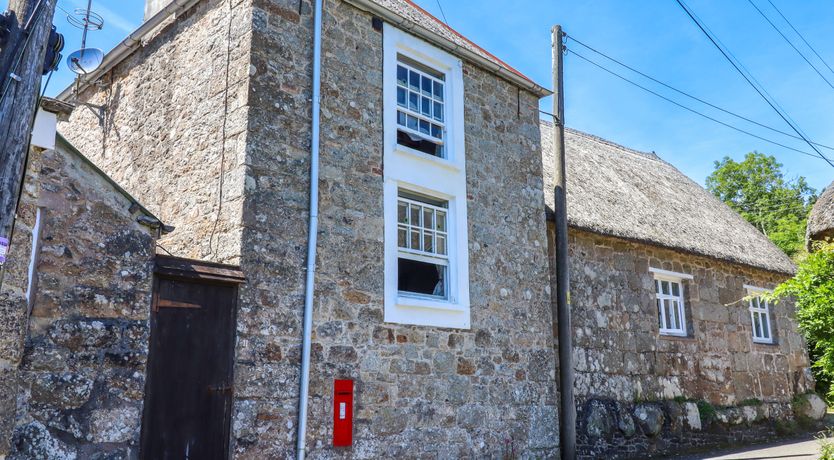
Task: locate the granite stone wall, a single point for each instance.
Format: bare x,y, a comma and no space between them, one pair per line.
82,337
174,126
622,361
420,391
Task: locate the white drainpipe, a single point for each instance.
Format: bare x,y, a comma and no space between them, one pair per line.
304,392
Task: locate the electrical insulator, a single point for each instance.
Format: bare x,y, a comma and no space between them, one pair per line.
53,51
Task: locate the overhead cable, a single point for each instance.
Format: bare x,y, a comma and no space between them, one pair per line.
761,91
684,93
689,108
790,43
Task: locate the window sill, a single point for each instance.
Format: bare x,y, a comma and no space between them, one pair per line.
422,156
766,343
430,304
674,336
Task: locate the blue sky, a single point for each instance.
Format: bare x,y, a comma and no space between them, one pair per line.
654,36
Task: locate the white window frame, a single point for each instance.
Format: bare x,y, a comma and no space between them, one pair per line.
422,174
421,255
753,293
670,277
418,114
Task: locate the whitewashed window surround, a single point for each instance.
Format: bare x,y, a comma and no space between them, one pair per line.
761,325
669,298
426,236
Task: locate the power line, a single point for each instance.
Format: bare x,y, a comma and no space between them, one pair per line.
689,108
800,36
442,13
736,66
684,93
790,43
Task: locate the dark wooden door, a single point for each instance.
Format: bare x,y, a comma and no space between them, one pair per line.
188,399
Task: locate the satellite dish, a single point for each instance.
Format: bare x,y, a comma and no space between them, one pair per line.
85,60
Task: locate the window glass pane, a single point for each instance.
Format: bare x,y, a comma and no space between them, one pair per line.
427,218
412,122
676,289
438,111
657,286
426,107
400,118
757,327
414,80
438,91
413,102
402,75
428,242
401,97
765,326
402,212
421,278
436,131
426,86
441,245
660,313
415,215
670,314
676,317
415,240
424,127
440,223
664,285
402,237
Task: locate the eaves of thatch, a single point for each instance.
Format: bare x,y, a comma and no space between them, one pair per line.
613,190
821,219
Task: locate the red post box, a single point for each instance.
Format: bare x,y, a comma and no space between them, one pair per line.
342,413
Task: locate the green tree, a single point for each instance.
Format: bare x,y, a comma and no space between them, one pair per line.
813,290
757,189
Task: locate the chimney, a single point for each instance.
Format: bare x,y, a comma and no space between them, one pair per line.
154,6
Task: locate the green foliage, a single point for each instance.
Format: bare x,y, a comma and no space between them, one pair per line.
757,189
813,290
750,402
706,411
826,444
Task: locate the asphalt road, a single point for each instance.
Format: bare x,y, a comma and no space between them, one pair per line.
797,449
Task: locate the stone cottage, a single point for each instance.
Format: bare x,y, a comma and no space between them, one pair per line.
821,219
432,278
432,332
664,290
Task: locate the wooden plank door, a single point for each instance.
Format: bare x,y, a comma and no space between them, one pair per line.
189,388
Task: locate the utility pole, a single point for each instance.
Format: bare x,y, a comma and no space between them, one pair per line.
567,404
21,63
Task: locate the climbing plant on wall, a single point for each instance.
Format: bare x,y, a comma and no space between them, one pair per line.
813,290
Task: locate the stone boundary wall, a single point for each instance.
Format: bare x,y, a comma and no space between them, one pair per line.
79,377
614,429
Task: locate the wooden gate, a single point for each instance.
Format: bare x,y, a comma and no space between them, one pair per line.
189,388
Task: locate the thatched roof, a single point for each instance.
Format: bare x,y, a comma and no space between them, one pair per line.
821,220
617,191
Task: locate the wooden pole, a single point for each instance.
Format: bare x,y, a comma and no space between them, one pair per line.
19,87
567,404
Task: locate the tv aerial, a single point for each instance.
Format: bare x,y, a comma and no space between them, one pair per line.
85,60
